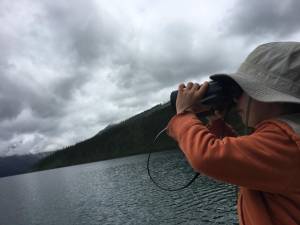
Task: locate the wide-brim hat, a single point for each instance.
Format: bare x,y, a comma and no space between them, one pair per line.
271,73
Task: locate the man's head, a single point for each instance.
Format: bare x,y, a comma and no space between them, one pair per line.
270,75
253,111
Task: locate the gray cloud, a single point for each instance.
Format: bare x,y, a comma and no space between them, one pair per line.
89,34
45,59
175,52
261,18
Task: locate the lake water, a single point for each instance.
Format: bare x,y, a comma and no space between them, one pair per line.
116,191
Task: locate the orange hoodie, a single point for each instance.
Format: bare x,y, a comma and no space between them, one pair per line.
265,164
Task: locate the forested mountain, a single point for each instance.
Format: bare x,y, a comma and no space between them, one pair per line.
17,164
132,136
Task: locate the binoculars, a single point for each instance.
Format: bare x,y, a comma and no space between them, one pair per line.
220,94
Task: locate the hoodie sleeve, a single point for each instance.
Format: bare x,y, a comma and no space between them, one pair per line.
262,161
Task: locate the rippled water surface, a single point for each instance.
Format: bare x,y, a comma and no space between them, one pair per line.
116,191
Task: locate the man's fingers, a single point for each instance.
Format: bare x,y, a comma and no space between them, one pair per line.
189,97
202,90
189,85
196,87
181,87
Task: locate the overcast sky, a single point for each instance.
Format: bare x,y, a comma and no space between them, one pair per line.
70,68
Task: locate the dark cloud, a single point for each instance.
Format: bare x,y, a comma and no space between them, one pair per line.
89,33
27,123
10,103
17,95
259,18
10,107
177,53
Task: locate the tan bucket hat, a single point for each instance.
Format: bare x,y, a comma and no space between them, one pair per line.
271,73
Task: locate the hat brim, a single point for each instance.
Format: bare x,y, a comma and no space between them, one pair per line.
257,90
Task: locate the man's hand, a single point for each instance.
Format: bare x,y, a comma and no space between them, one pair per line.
189,96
